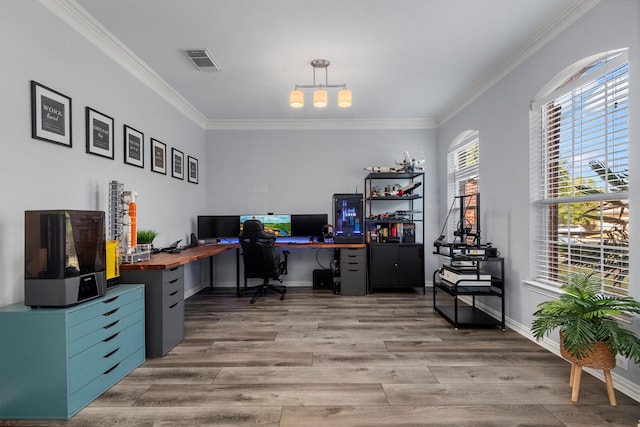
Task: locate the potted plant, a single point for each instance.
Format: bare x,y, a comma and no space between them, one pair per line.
144,239
590,335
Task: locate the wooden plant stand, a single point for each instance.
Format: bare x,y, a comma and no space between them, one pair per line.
601,357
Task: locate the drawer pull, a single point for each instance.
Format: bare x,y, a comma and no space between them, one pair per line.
173,293
174,268
107,301
111,369
111,325
174,280
111,337
109,313
111,354
171,306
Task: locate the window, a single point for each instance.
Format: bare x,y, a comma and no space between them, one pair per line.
579,176
463,161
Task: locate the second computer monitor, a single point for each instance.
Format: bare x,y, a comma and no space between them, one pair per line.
308,225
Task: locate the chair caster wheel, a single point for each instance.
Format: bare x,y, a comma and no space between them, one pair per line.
253,300
281,297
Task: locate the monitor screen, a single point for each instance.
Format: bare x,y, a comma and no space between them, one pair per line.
280,225
218,226
308,225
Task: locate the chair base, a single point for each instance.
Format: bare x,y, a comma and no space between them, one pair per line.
261,290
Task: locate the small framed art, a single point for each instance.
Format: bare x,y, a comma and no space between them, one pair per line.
177,163
50,115
133,147
192,169
158,156
99,133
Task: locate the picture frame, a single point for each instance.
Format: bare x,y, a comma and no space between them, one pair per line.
192,169
158,156
133,146
99,133
50,115
177,163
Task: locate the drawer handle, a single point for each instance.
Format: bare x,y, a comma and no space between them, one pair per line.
107,301
174,280
111,369
111,337
109,313
171,306
111,354
173,293
174,268
111,325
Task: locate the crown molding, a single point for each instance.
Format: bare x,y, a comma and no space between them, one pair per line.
83,22
526,49
322,124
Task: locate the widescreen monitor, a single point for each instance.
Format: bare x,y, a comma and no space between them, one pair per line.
308,225
280,225
218,226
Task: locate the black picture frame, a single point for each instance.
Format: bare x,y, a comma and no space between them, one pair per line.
177,163
50,115
158,156
99,133
133,146
192,169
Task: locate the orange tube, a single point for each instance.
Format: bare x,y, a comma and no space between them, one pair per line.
134,228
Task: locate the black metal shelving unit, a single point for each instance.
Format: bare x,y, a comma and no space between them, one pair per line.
460,314
396,247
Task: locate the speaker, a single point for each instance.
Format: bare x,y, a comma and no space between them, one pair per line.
323,279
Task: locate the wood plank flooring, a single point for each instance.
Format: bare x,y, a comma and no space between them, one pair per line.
317,359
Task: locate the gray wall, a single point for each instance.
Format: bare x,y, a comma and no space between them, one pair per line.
297,171
36,45
501,116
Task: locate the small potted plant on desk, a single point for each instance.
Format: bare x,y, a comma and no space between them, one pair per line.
144,240
590,336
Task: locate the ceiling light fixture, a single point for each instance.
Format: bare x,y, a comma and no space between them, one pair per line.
320,96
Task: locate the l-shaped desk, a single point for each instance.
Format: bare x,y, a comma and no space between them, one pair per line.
163,277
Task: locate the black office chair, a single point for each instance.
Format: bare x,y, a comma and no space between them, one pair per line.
261,260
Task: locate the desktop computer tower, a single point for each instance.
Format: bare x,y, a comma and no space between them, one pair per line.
348,226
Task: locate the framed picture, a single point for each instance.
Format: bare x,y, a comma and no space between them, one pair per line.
192,169
50,115
158,156
133,147
99,133
177,162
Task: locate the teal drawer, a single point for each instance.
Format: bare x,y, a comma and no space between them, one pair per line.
107,378
130,315
103,306
104,321
91,363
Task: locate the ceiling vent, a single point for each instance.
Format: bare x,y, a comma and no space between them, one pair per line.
202,60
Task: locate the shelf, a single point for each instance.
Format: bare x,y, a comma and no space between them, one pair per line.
406,197
394,175
453,290
467,316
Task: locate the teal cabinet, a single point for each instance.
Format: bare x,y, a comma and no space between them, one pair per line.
55,361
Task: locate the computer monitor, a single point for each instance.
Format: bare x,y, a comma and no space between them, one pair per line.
218,226
280,225
308,225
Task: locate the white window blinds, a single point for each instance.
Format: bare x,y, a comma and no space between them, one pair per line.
579,177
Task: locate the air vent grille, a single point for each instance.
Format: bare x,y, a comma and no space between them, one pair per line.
202,60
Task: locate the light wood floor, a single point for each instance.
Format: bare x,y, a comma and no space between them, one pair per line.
317,359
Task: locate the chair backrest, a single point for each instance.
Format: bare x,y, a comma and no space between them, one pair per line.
261,260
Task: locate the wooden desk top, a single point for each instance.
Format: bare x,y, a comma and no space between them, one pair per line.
163,260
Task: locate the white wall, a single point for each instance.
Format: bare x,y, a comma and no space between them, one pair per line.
36,45
501,115
297,171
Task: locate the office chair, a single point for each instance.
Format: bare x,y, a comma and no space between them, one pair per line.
261,260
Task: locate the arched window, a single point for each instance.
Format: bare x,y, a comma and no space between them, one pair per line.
463,166
579,139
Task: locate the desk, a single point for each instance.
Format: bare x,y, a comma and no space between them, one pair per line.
164,286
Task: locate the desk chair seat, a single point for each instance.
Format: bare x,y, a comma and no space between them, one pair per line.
261,260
